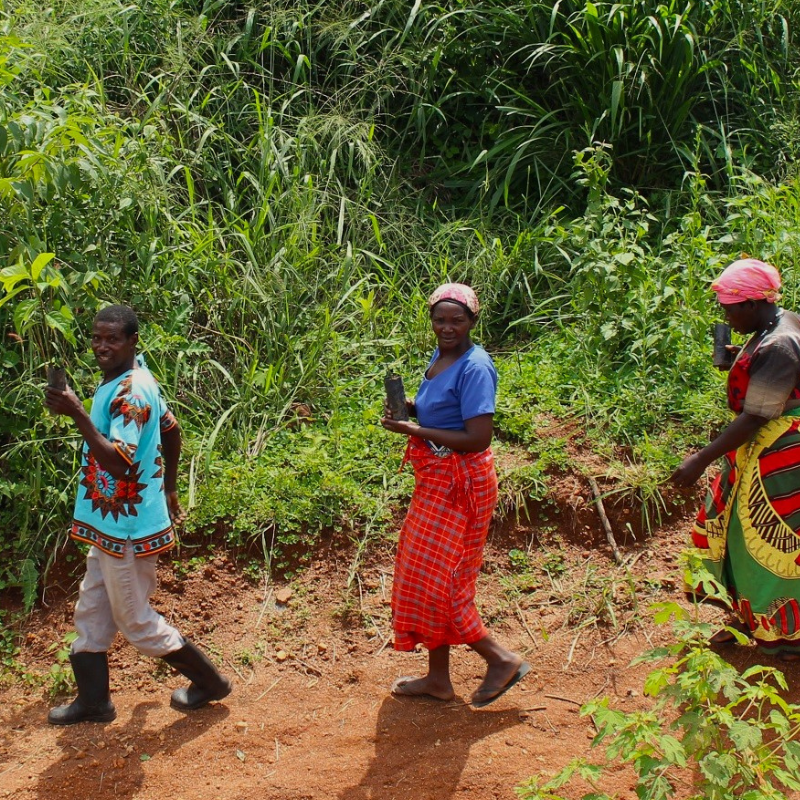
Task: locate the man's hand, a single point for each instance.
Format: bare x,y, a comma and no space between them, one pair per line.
176,513
64,402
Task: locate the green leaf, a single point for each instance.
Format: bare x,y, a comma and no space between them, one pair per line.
23,190
56,322
744,735
590,772
624,258
29,577
673,750
10,358
39,263
25,315
12,294
11,276
792,755
779,722
609,330
788,779
666,611
655,682
718,768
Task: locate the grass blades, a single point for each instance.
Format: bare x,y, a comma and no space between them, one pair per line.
277,189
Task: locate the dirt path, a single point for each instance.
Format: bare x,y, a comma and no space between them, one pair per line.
311,717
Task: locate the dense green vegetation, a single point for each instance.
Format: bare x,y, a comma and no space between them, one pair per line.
712,733
276,187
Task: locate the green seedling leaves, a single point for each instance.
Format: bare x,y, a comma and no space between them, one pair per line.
732,731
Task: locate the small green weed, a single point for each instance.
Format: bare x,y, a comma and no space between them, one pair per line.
61,680
9,646
161,670
247,658
601,598
522,578
554,564
519,487
519,560
253,570
182,568
319,478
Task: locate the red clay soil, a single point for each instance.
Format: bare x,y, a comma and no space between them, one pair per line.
311,715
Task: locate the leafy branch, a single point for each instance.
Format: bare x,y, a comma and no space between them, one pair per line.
712,731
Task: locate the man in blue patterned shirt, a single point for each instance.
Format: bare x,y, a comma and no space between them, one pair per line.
126,507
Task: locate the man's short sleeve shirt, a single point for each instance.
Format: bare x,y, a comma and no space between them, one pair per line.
130,412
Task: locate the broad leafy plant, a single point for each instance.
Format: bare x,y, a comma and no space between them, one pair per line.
712,733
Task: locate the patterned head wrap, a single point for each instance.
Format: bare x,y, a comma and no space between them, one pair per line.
748,279
456,293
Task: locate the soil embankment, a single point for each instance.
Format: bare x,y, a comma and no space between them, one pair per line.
311,716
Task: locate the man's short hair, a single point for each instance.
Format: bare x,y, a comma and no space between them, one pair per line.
122,315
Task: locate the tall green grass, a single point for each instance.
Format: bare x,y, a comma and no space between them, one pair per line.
277,189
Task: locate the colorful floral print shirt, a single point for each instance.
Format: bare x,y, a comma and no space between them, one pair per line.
130,412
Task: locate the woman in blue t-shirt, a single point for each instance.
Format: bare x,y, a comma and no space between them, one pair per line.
440,549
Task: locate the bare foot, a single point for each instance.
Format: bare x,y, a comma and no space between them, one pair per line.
724,636
500,677
422,687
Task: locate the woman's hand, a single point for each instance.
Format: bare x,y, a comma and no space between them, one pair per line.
739,432
733,351
411,408
689,472
476,437
405,427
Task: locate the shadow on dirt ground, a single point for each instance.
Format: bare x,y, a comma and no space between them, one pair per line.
120,773
409,755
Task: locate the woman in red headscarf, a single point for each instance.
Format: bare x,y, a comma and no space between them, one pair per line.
440,549
749,530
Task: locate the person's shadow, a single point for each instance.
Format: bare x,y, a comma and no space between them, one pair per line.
119,765
421,748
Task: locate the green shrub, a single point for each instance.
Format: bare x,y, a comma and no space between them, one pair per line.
710,734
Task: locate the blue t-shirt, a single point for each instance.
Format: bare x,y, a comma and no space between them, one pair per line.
464,390
130,412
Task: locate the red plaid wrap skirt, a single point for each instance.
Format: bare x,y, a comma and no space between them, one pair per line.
440,551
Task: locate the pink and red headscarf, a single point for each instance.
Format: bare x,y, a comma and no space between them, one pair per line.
748,279
458,293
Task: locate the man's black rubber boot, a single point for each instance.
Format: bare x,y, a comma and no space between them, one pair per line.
206,682
93,703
